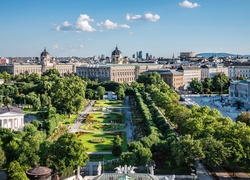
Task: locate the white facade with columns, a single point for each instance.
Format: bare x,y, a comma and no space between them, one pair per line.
11,118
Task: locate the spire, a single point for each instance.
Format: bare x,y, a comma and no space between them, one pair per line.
44,49
116,48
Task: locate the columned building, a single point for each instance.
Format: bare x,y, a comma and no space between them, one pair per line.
118,71
11,118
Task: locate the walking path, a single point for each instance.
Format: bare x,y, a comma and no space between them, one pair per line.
129,128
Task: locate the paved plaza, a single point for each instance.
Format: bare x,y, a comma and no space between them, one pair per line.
214,102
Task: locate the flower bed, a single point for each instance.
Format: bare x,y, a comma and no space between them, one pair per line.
98,140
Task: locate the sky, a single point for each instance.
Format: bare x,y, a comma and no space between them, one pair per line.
88,28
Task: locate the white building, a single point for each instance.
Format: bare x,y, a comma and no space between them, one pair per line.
239,91
190,73
11,118
239,69
211,71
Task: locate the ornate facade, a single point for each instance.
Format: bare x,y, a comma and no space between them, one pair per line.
11,118
118,71
40,67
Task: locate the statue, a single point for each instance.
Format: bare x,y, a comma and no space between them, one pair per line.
125,169
118,170
151,170
131,170
99,169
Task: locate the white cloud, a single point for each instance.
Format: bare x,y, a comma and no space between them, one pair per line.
147,16
187,4
111,25
133,17
82,24
131,33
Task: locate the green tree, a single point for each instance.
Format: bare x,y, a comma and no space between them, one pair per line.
15,172
90,94
186,150
51,72
120,92
68,152
68,94
2,157
7,101
100,91
214,151
244,117
207,84
220,82
143,155
196,86
117,146
127,158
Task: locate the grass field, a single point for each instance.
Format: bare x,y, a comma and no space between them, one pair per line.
70,120
105,118
100,157
108,103
98,127
104,146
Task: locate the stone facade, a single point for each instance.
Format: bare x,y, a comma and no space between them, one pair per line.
11,118
190,73
115,72
40,67
210,71
239,91
239,69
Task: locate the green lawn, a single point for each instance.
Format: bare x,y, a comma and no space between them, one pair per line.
100,157
105,117
104,146
70,120
98,127
108,103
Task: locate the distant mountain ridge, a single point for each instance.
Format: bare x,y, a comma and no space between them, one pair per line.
207,55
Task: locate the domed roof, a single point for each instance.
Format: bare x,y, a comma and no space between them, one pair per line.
39,171
116,51
44,53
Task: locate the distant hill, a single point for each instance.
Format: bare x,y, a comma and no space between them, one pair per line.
207,55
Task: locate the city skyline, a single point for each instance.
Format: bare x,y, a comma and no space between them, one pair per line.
87,28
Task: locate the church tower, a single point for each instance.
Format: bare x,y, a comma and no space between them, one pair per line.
116,56
45,60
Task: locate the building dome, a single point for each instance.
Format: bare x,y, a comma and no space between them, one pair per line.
116,51
39,172
44,53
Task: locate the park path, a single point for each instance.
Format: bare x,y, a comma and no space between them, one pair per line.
75,127
129,129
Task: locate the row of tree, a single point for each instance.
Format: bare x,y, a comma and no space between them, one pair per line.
219,83
205,133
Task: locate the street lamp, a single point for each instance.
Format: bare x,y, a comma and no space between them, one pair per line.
221,86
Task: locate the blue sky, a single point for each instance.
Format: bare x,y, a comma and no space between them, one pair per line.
93,27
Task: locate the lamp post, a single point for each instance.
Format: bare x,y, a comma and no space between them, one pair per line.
221,87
